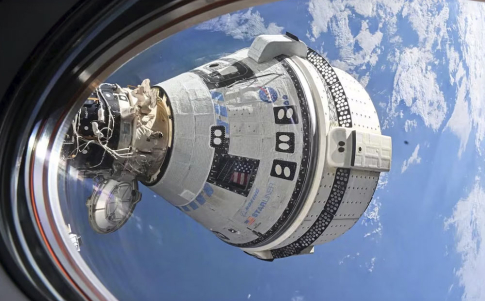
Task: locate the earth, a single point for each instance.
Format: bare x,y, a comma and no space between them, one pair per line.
420,239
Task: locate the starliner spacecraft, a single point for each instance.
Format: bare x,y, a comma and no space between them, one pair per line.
270,148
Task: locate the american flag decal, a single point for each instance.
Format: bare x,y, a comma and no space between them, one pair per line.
233,173
239,178
241,173
250,220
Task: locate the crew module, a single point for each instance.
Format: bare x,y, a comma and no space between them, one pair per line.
270,148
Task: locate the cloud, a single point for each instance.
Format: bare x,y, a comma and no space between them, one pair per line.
383,180
453,62
241,25
428,19
460,122
372,219
343,259
414,159
415,85
346,42
137,221
410,124
468,223
326,12
370,265
297,296
211,57
469,109
348,257
364,80
334,16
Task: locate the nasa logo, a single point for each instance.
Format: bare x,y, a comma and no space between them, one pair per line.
268,94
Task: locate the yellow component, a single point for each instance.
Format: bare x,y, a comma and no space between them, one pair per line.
164,115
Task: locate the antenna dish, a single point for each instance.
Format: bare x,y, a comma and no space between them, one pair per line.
111,204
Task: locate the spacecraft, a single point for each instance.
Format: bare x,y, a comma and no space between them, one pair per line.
271,148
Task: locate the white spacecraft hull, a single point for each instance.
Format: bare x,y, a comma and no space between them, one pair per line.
275,117
270,148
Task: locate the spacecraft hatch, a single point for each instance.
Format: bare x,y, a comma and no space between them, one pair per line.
271,148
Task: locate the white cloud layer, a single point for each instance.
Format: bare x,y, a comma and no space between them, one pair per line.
324,13
370,265
469,108
468,221
334,16
297,296
428,18
372,218
414,159
242,26
415,82
460,122
410,124
415,85
348,257
383,180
